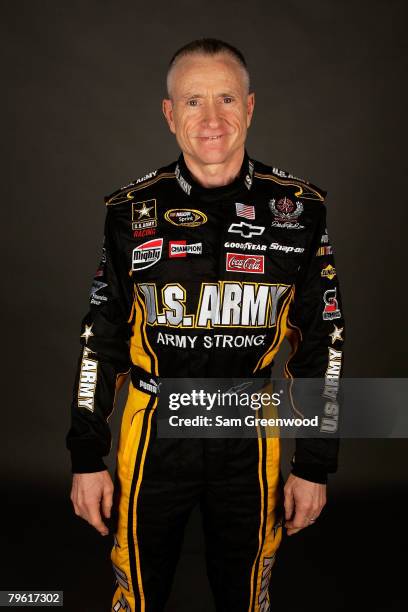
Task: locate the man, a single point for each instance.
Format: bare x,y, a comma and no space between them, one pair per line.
208,263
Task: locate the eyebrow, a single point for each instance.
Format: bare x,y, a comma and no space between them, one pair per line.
224,94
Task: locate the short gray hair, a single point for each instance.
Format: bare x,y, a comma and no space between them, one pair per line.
208,46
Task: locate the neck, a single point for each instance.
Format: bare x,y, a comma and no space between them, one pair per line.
215,175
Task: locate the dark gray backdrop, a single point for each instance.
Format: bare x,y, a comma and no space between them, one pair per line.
82,87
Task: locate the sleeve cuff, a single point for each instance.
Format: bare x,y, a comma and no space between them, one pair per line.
308,471
85,463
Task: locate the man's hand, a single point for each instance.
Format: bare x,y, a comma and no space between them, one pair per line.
87,493
305,500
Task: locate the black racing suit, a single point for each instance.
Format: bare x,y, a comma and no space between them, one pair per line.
198,282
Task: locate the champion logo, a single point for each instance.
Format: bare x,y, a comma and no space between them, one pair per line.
179,248
147,254
242,262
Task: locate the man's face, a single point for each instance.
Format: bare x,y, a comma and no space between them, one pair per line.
209,110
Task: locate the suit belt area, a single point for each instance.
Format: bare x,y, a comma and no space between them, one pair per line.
150,383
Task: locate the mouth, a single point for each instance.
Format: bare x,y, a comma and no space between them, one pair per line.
210,138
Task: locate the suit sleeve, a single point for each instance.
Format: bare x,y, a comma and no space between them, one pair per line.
104,359
316,333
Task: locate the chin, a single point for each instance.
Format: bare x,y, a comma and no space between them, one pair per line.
215,156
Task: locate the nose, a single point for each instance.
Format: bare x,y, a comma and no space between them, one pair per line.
211,117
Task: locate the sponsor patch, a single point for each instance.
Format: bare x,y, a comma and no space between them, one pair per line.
179,248
325,237
245,210
328,272
87,381
144,215
87,333
331,308
263,599
249,177
329,422
96,297
150,387
121,577
285,213
226,303
246,229
121,604
186,187
284,174
209,342
144,232
147,254
275,246
101,267
332,376
185,217
324,250
147,176
336,334
245,246
241,262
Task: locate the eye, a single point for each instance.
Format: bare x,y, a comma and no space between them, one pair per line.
228,99
192,102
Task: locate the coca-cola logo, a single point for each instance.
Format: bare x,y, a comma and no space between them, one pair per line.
240,262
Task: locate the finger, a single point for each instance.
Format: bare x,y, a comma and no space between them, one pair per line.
292,531
97,522
288,504
299,521
107,503
76,510
94,518
74,496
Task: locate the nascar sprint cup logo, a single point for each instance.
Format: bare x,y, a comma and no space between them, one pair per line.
187,217
237,262
147,254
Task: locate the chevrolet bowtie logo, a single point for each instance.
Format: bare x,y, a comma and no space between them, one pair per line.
246,229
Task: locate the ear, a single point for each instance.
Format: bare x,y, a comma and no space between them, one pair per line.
250,107
167,108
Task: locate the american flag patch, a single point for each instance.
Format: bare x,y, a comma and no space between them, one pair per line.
245,210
